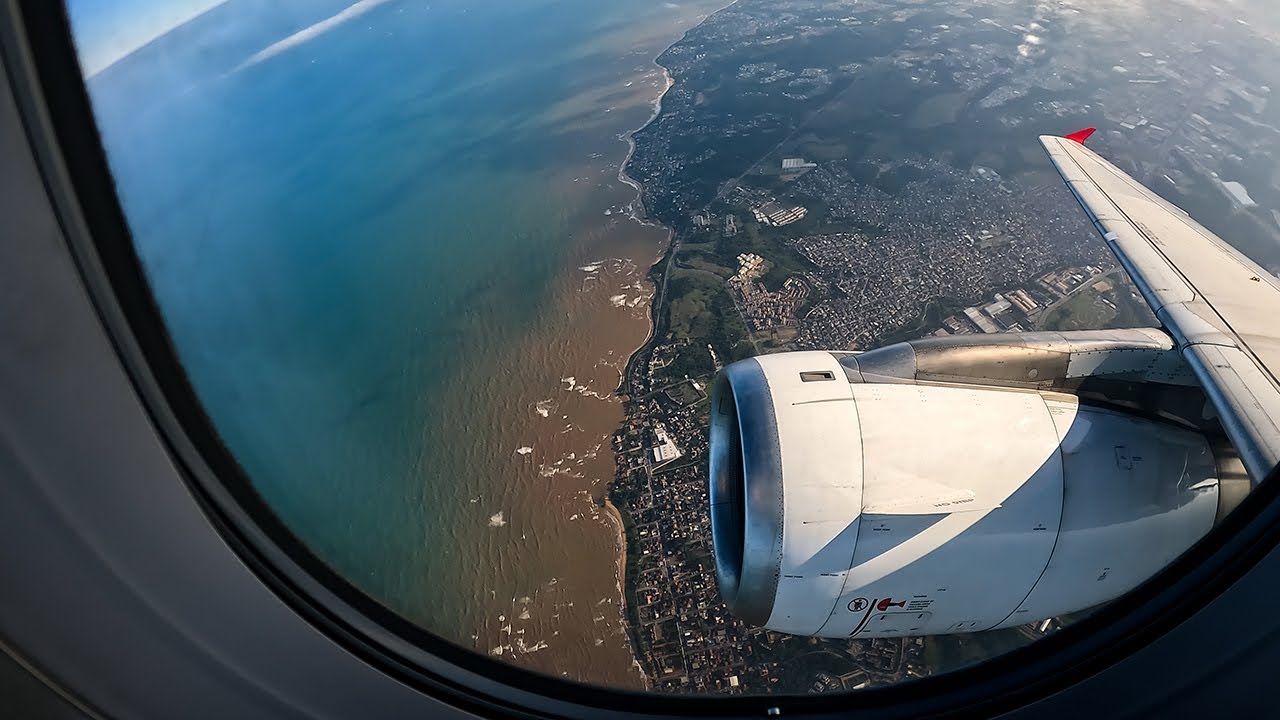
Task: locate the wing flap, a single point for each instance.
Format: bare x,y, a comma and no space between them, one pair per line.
1221,308
1235,382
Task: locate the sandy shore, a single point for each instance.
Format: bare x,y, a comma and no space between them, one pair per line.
615,518
637,212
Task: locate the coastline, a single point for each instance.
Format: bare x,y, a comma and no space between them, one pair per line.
564,575
636,210
517,531
654,276
620,524
630,137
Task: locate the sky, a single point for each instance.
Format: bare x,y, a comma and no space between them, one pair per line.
107,30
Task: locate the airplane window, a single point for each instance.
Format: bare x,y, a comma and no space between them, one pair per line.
708,347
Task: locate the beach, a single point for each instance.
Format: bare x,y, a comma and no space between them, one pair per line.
549,432
406,291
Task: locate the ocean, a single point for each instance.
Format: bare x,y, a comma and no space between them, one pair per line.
393,249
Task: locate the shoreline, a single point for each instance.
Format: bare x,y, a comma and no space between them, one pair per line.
630,137
637,212
620,524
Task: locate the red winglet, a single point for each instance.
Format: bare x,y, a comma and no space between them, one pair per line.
1080,135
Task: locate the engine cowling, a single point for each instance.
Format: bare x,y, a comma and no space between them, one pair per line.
843,508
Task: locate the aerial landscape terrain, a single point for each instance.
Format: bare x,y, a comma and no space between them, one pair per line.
844,174
453,279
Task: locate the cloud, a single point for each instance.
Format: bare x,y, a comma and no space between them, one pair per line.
1030,45
312,32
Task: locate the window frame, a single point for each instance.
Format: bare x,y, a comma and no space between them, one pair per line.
42,65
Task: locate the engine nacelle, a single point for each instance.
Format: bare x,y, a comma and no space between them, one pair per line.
845,508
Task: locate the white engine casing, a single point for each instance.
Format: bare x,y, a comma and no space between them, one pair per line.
863,509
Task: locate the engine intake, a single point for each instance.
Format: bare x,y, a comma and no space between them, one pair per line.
746,491
840,507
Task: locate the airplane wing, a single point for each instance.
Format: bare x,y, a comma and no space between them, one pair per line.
1221,308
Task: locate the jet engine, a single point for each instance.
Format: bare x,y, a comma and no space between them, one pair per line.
958,484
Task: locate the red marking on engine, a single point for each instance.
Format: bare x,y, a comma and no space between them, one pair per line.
887,603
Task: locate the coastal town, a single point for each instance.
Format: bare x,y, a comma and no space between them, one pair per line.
803,221
689,641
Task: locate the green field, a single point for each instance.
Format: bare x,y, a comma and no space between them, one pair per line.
1083,311
700,312
684,394
1088,309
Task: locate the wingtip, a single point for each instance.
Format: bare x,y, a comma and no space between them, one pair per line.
1080,136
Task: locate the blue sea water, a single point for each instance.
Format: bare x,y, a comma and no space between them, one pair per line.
335,231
